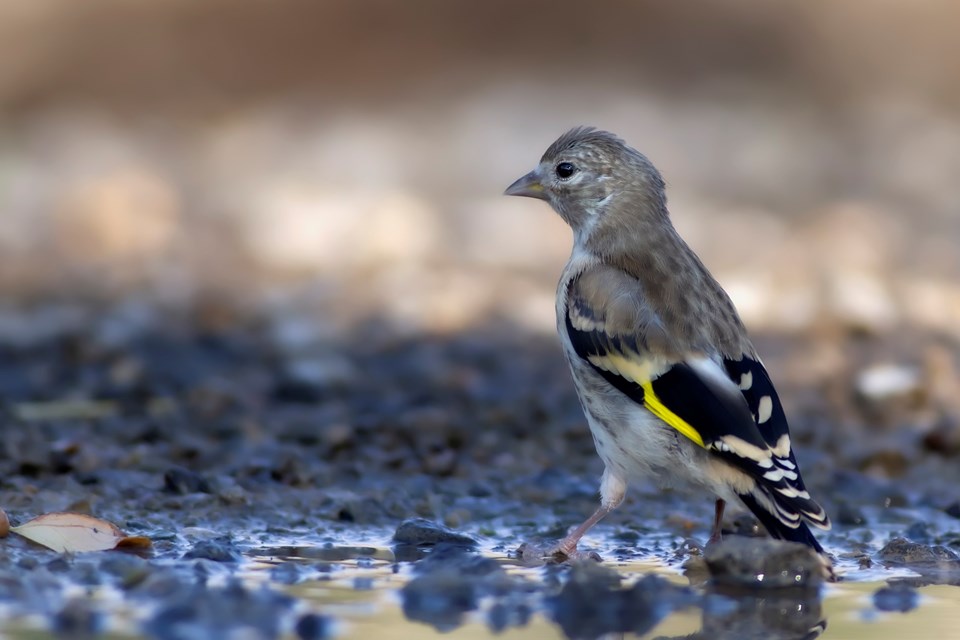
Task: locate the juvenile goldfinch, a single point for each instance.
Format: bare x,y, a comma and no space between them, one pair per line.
670,384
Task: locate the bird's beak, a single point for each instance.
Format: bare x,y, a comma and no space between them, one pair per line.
528,186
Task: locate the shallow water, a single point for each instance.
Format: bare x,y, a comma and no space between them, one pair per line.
847,606
357,588
262,580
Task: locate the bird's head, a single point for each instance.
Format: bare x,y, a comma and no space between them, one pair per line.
593,179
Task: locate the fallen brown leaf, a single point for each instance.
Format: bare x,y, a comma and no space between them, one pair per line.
76,532
4,524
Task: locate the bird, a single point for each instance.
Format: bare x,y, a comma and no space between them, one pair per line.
671,386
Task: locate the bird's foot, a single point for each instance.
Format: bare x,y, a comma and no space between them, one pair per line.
559,552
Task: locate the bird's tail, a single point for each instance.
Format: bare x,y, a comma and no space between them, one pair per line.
792,525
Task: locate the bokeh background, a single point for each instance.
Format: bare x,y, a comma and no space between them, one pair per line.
328,165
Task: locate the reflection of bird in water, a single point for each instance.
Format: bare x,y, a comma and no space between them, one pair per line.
594,604
769,615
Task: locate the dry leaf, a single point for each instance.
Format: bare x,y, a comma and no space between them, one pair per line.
4,524
71,532
134,543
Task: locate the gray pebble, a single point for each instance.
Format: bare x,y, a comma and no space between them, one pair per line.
419,531
763,563
903,551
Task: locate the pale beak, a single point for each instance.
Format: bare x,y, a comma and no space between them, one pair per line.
528,186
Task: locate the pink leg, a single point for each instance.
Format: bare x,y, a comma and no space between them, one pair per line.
715,535
567,548
612,490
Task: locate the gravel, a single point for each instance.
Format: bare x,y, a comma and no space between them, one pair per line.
432,457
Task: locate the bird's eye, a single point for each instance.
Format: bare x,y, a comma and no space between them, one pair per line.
565,170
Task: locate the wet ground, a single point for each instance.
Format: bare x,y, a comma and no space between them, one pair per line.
297,485
262,302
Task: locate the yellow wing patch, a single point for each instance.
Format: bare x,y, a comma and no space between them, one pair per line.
642,372
657,408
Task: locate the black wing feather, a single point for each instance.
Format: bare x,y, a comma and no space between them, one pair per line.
717,413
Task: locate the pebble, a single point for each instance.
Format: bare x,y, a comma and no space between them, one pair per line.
218,550
953,509
419,531
850,515
763,563
906,552
181,481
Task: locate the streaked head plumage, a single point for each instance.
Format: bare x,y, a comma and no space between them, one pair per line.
587,172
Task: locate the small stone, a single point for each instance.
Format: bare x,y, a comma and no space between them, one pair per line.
764,563
218,550
903,551
128,569
745,524
350,507
850,515
944,438
419,531
896,597
181,481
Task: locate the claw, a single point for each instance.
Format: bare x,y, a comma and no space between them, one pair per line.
556,553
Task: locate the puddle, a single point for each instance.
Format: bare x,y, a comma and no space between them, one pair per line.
361,591
846,610
352,581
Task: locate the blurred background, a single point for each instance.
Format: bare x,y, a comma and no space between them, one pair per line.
358,150
337,162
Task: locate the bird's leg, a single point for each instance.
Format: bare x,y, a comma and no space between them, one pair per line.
718,508
612,490
567,548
